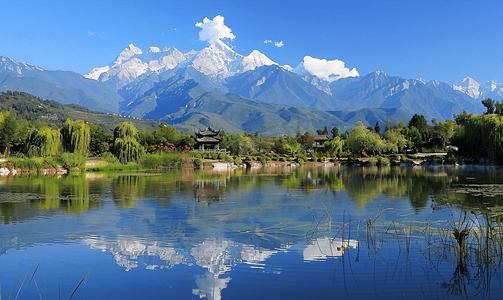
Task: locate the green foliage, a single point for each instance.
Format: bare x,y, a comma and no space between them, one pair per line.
198,162
76,136
100,140
8,129
72,161
395,141
128,150
43,142
126,147
239,144
480,136
156,160
362,139
238,160
287,145
489,104
383,161
334,146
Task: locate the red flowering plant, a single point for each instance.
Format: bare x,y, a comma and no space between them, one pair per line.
159,148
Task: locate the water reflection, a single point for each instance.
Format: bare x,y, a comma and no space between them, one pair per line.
163,221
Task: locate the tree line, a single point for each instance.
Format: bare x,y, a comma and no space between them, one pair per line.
477,136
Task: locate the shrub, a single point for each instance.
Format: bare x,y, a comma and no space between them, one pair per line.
282,159
372,161
110,158
198,162
383,161
238,160
71,161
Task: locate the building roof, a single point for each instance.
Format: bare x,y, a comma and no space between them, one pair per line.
208,140
208,131
322,137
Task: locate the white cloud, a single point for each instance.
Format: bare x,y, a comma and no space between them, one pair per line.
329,70
214,29
267,41
91,33
279,44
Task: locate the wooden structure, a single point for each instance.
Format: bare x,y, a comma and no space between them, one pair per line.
208,139
319,140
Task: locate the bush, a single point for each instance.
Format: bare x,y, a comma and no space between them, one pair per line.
383,161
300,160
282,159
198,162
110,158
238,160
263,160
372,161
72,161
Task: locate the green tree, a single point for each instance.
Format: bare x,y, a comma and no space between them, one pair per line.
489,104
43,141
377,127
287,145
363,139
8,130
100,139
395,140
76,136
334,146
126,146
335,131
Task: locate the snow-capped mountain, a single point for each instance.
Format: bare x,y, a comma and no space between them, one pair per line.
220,60
473,89
132,62
217,60
8,64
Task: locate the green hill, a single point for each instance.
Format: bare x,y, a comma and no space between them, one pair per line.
35,109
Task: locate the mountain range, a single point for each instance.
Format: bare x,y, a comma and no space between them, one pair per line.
219,87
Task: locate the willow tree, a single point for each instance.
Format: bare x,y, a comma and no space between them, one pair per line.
363,139
76,136
44,142
8,130
126,146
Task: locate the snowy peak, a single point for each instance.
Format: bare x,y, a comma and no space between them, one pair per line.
132,62
17,67
128,53
473,89
256,59
218,60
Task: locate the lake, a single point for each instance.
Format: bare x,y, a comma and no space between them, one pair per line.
277,233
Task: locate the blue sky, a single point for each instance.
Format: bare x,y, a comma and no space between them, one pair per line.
442,39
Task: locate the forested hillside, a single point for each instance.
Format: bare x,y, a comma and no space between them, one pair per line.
33,109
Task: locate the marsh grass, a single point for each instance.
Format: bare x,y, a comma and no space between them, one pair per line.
32,279
471,242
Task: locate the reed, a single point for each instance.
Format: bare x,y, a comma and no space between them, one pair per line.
32,279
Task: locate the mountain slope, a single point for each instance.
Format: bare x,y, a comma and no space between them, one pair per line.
63,86
276,85
432,99
32,108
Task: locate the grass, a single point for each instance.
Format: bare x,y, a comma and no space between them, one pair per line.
32,279
472,242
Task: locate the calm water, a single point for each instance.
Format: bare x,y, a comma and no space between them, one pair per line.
319,233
